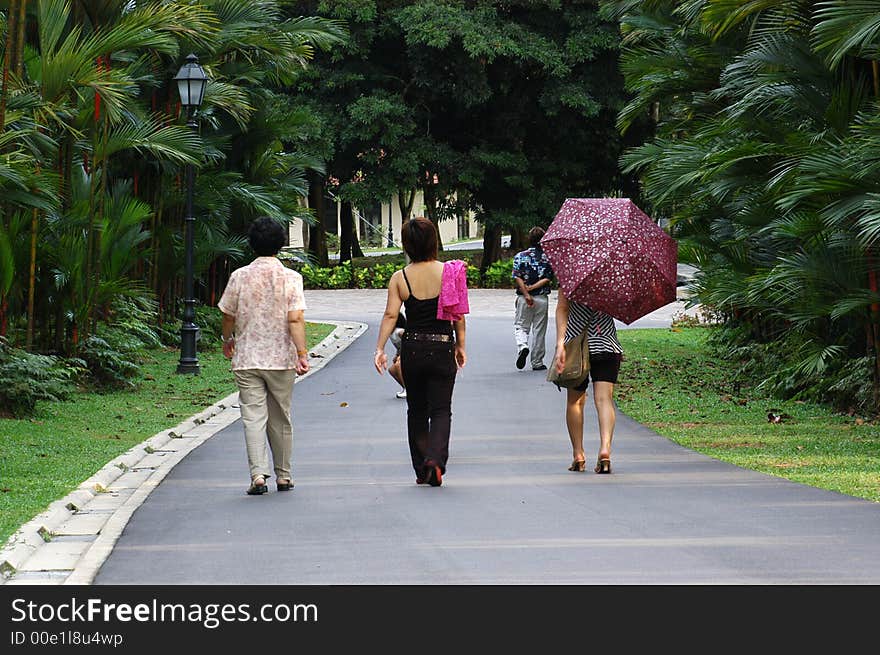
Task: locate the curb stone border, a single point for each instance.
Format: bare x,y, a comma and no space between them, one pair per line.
71,539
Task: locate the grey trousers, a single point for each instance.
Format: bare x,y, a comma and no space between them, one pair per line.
265,398
531,320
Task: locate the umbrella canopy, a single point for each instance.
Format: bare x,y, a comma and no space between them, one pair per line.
608,254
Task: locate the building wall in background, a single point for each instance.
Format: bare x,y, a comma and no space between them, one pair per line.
372,224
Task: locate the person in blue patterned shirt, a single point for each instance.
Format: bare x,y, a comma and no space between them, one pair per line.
533,276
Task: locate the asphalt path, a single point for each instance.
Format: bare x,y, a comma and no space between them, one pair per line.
508,511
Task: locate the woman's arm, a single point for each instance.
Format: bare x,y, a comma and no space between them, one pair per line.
460,353
389,322
296,326
561,326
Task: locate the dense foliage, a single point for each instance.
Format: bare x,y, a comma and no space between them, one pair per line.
94,144
349,275
503,108
765,161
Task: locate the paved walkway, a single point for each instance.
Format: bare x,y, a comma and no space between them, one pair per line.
508,511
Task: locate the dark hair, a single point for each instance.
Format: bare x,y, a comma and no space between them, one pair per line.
266,236
535,235
419,238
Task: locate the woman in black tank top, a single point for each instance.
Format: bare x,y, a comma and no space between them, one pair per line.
422,313
431,353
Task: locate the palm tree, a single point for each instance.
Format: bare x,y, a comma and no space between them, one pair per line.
768,174
93,145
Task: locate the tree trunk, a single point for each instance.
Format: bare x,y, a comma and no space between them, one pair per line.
349,244
60,327
102,210
356,250
19,41
32,280
8,63
519,239
429,193
89,285
491,247
346,229
317,236
405,200
7,59
872,278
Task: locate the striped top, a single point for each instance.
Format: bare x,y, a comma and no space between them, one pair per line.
602,333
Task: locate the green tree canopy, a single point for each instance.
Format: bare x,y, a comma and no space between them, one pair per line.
504,108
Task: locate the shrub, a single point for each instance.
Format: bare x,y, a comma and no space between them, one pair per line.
376,275
210,322
497,276
137,317
26,378
208,319
109,359
112,355
473,277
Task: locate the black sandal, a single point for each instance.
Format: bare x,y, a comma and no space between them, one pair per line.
257,489
284,486
603,465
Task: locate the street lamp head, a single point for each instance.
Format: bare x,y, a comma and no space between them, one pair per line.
191,82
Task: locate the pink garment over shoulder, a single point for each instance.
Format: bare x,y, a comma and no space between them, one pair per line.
452,304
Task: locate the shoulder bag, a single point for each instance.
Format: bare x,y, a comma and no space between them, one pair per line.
577,364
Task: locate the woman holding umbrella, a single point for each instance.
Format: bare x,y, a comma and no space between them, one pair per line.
612,261
572,319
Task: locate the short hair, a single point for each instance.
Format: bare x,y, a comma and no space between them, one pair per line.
266,236
535,235
419,238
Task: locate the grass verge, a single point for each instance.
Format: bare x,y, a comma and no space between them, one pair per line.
47,456
671,382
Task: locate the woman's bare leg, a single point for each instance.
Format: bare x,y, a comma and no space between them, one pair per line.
396,373
603,398
574,420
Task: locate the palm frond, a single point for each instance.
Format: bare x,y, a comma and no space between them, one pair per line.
847,27
171,142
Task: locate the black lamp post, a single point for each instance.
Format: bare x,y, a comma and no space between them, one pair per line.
191,82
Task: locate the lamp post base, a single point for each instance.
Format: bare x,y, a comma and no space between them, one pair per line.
189,367
189,361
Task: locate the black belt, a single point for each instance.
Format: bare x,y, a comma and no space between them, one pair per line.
426,336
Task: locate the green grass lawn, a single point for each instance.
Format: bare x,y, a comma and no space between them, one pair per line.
671,383
45,457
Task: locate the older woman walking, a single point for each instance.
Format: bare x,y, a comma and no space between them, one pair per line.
264,335
433,345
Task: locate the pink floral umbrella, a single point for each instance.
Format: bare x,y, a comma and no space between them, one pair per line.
608,254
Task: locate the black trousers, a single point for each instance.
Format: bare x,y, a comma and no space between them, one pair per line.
429,370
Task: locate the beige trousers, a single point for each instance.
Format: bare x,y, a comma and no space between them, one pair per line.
264,397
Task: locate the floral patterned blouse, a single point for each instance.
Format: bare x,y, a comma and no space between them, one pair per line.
259,296
532,265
